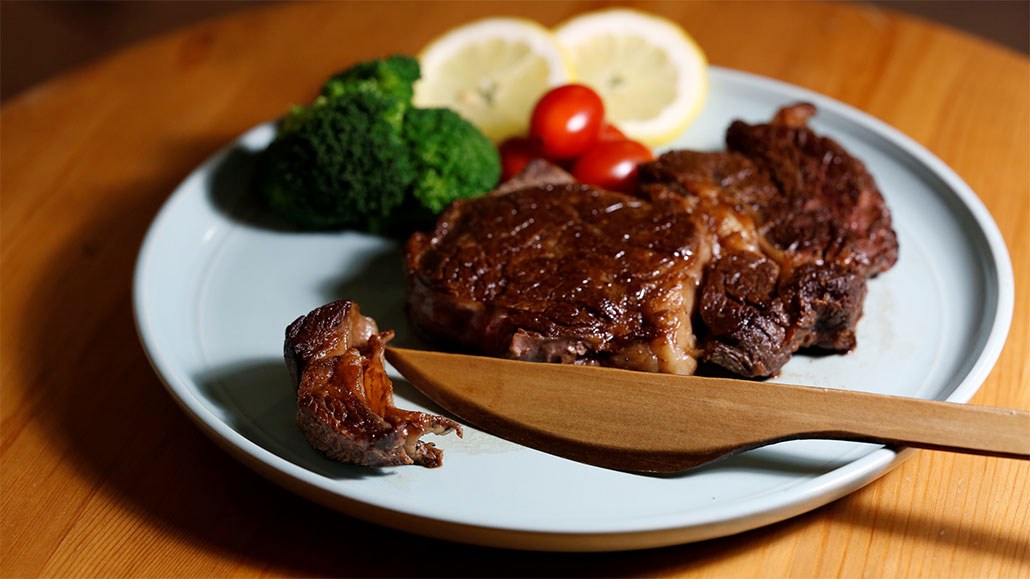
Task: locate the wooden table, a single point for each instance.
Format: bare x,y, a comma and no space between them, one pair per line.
103,475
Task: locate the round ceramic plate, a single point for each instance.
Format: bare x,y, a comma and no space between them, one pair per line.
217,282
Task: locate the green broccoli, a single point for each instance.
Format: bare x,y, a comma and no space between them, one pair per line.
361,156
454,160
338,163
393,76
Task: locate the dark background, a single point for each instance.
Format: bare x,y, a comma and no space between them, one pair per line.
40,39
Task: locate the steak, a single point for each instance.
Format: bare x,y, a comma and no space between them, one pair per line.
344,397
821,229
554,271
737,258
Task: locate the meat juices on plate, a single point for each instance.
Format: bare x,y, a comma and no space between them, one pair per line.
737,258
344,397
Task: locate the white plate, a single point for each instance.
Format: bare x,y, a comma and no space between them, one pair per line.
215,288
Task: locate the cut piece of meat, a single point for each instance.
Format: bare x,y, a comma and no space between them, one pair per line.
815,228
554,271
811,201
536,173
829,209
749,328
344,397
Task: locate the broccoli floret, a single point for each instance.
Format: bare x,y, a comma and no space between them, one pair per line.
393,76
339,163
453,159
361,156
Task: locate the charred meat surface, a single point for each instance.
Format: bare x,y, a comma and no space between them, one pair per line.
829,209
738,258
820,226
555,271
345,407
750,330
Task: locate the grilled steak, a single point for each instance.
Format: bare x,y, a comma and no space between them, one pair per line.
344,397
829,209
739,258
554,271
822,228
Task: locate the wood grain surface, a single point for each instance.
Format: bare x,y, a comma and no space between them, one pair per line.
103,475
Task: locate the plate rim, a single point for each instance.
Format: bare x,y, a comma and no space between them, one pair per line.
806,495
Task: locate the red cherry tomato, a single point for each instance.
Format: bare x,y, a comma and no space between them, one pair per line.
566,121
610,133
515,153
611,165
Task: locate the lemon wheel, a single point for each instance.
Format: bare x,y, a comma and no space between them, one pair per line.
492,72
652,76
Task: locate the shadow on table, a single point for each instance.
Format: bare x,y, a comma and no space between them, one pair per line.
95,395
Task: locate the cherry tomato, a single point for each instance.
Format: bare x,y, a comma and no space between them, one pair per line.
611,165
515,153
609,132
566,121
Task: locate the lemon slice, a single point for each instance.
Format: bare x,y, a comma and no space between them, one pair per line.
492,72
651,74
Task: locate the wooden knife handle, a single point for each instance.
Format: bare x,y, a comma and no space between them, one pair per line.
912,422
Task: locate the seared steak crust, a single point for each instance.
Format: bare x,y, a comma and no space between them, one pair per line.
759,251
344,397
750,330
829,209
822,228
561,272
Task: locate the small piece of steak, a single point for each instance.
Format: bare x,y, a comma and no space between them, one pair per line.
344,397
545,269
